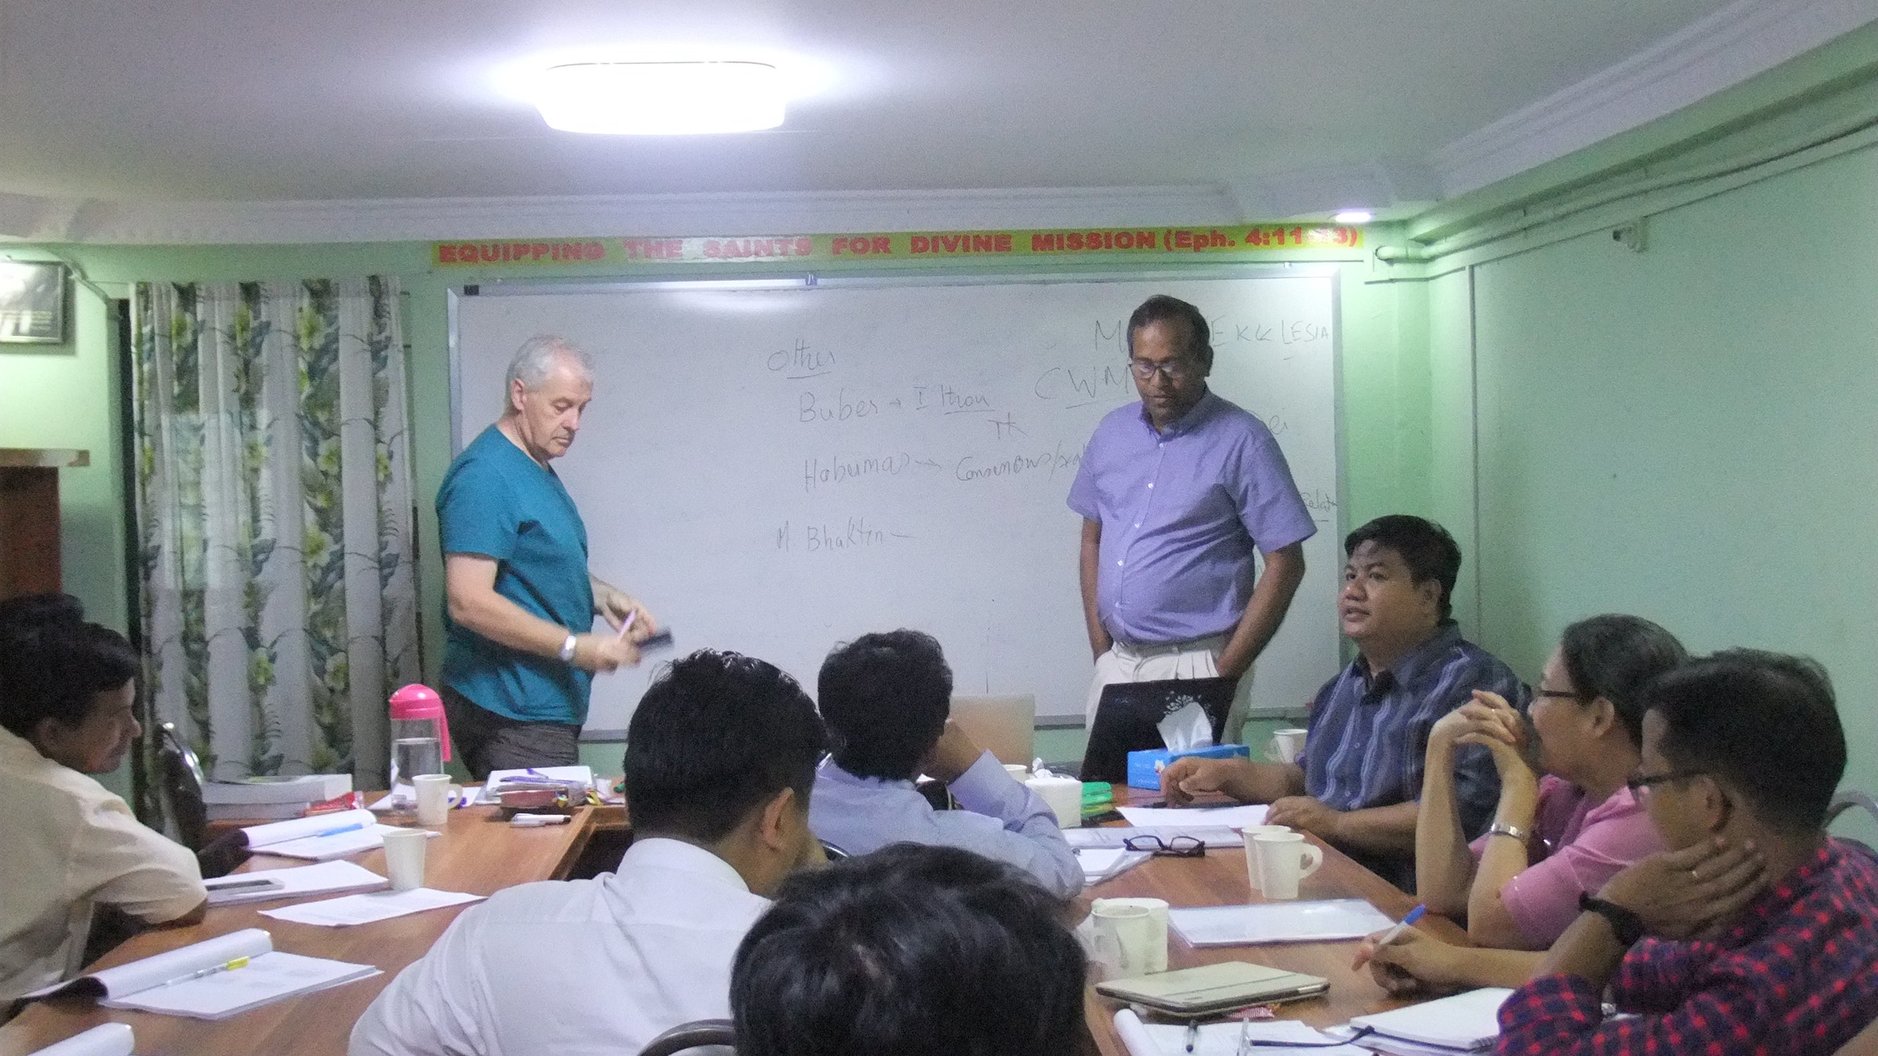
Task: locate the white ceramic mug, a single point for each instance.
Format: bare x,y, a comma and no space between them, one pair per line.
1123,937
1019,772
1250,832
435,796
1284,858
1286,746
1154,944
1063,794
404,858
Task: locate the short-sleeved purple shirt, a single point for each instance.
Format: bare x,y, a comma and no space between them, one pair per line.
1182,512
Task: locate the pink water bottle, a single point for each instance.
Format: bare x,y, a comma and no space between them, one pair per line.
420,738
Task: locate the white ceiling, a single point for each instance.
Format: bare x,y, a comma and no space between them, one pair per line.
1285,106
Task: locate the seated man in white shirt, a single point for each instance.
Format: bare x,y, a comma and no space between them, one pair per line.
885,698
720,757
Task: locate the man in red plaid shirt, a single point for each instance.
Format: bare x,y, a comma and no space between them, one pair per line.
1763,931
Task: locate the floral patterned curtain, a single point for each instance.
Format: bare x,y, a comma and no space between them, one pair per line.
274,520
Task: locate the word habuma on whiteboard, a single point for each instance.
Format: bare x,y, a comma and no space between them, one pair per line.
1214,242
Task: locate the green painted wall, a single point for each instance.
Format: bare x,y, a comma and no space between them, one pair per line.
67,398
1688,433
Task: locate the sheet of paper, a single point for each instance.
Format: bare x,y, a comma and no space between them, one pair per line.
364,909
297,882
1117,835
1105,863
1222,1039
1327,921
1189,817
1463,1021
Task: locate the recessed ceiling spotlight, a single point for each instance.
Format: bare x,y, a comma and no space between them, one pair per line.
1352,216
660,98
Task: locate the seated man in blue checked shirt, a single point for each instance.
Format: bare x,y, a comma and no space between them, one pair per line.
1762,930
1356,783
885,698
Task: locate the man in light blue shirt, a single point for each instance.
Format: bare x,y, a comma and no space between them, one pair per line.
885,698
1180,494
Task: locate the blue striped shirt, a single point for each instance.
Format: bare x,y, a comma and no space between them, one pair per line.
1369,733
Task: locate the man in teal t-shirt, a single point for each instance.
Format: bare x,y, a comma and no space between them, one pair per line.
519,654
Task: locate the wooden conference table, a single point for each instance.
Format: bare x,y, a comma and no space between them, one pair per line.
1220,878
478,853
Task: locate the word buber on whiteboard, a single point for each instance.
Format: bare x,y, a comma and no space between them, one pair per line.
1220,241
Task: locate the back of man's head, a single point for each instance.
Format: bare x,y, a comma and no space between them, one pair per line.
717,736
1424,546
885,698
1764,724
909,951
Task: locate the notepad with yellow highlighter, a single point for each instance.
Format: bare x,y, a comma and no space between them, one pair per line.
212,979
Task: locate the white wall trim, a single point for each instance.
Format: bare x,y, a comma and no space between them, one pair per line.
1746,38
436,219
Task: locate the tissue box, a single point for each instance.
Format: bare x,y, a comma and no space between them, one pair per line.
1141,765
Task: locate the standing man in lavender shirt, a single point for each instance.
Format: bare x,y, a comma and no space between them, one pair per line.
1177,493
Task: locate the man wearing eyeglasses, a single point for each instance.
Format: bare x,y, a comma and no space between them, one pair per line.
1177,494
1756,933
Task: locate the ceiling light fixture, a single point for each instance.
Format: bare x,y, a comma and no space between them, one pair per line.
1352,216
660,98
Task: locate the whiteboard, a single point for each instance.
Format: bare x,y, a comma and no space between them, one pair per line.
775,470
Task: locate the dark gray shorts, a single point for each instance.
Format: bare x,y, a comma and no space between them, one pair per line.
484,741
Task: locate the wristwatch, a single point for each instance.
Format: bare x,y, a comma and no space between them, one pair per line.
1501,828
567,650
1626,924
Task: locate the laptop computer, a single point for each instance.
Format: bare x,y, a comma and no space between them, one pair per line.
1128,716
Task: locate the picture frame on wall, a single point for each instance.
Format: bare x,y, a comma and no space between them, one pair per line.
32,302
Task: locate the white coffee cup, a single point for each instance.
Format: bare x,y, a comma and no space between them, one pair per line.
435,796
1286,746
404,858
1063,794
1284,858
1124,937
1154,945
1251,832
1019,772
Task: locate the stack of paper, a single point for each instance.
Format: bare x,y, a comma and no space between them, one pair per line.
213,979
1118,835
1463,1023
1222,1039
1189,817
271,797
1327,921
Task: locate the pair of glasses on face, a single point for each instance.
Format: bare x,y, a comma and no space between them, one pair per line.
1176,847
1172,370
1642,785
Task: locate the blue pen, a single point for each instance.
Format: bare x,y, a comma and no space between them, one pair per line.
354,827
1413,916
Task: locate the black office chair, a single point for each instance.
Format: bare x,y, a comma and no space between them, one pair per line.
832,852
179,788
693,1035
1846,799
